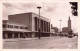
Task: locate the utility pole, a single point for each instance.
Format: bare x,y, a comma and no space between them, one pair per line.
39,35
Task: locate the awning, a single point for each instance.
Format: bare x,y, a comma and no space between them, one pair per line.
15,30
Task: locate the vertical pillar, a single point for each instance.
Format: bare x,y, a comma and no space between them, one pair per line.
40,24
13,35
6,35
33,35
18,35
24,35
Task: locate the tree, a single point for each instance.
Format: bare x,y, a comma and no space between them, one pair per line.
74,8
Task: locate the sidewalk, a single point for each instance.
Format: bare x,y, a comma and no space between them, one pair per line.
17,39
23,39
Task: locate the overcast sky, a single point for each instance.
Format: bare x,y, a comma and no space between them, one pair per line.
53,11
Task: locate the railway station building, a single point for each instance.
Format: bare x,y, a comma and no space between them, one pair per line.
25,25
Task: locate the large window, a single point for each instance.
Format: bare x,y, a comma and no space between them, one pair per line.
21,27
16,27
26,27
4,25
10,26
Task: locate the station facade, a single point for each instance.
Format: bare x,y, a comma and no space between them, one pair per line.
25,25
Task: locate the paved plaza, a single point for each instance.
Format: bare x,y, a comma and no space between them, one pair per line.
43,43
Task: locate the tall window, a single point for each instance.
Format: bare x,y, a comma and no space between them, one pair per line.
35,23
4,25
10,26
41,25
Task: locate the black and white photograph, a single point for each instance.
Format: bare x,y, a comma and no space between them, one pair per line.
40,25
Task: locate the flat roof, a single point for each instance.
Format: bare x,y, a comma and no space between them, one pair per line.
31,13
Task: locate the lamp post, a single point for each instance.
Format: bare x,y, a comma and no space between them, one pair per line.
39,35
60,27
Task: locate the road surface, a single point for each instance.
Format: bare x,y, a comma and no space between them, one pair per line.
43,43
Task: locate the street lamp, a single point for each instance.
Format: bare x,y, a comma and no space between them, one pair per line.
60,27
39,35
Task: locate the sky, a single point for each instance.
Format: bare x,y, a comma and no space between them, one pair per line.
55,11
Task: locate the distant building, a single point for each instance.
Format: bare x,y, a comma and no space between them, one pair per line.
55,29
52,30
51,26
25,25
65,30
